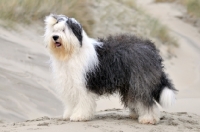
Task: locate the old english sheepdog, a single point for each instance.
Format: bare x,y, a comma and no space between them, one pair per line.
84,68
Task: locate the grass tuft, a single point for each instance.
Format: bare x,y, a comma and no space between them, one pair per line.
161,32
193,7
29,11
98,17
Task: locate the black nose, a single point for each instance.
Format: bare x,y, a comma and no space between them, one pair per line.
55,37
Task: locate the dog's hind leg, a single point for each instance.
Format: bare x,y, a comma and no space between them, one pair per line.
147,114
133,114
132,111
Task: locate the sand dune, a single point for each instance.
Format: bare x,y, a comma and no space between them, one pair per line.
24,78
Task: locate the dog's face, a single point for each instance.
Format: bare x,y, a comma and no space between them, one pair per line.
63,36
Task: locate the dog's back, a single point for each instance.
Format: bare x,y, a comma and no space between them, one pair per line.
131,66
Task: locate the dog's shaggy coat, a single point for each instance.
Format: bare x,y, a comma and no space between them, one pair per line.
85,68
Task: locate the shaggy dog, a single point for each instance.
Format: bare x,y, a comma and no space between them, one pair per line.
84,68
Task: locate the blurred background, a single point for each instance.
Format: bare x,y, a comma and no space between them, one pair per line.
26,88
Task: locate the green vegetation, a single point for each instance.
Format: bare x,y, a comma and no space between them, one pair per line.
193,7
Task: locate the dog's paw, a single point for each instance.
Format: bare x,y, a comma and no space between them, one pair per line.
66,118
76,118
148,119
66,115
133,115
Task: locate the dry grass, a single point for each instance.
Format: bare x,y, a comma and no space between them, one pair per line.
29,11
128,18
153,27
123,16
129,3
165,0
192,6
160,32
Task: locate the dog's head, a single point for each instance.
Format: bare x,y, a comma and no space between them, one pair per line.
63,36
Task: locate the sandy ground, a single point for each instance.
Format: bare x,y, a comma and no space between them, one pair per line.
27,92
113,120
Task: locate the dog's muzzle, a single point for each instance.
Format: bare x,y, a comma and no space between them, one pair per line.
56,40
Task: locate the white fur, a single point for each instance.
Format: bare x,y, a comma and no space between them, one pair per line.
167,98
50,21
144,114
69,75
149,115
60,29
70,82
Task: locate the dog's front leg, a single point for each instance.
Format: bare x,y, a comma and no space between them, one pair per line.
68,110
85,107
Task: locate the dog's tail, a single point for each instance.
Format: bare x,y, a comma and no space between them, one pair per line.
167,93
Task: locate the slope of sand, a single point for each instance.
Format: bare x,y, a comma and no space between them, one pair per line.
27,91
24,77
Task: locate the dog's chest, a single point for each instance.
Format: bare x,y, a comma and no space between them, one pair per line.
71,75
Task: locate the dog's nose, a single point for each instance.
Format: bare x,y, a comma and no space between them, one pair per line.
55,37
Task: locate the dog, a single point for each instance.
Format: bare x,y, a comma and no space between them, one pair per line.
84,69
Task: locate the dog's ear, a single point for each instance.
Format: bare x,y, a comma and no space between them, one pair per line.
76,28
50,20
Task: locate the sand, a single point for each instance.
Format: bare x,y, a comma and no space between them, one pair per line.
28,102
24,77
112,120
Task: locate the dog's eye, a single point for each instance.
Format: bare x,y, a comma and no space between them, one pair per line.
63,30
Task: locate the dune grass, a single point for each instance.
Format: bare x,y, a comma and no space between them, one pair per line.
153,27
160,32
192,6
164,0
33,11
29,11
